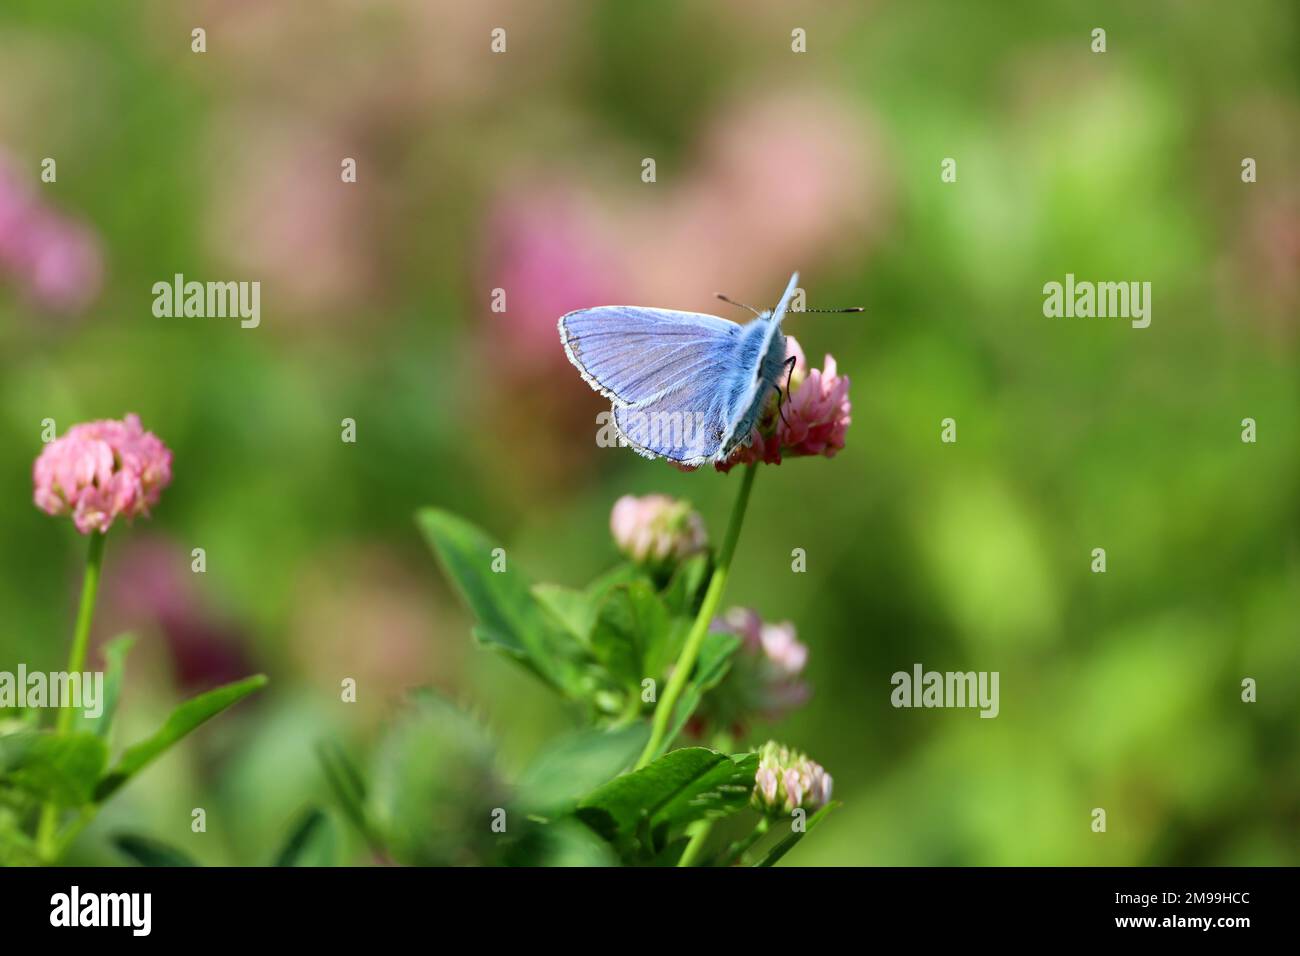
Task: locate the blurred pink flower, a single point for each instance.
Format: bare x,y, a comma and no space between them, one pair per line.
547,250
657,529
100,470
765,680
814,420
53,260
790,179
281,213
779,658
816,187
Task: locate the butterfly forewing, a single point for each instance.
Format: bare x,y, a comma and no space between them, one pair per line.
631,354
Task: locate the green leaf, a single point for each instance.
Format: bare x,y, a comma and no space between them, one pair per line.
790,839
689,784
712,666
182,721
16,847
562,843
510,618
14,747
577,763
631,635
627,573
303,839
577,610
147,851
349,787
573,609
671,852
115,652
685,592
59,768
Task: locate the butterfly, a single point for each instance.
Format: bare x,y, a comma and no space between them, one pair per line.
685,386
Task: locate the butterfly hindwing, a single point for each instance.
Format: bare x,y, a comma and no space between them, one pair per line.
662,370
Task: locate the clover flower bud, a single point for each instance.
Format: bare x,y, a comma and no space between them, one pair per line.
786,780
656,529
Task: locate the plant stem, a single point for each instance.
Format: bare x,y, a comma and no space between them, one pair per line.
699,831
45,834
741,847
691,649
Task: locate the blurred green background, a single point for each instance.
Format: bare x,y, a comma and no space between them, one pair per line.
522,171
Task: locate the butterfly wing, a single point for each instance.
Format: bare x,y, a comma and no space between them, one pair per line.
629,354
662,370
685,386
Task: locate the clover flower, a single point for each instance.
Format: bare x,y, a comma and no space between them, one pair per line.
100,470
764,679
813,419
786,780
656,529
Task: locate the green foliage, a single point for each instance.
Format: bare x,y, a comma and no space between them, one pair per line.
434,786
635,636
573,765
597,645
148,851
710,669
63,769
182,721
787,843
638,812
69,770
617,637
305,840
511,619
115,652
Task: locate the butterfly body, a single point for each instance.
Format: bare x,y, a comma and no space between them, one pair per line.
684,385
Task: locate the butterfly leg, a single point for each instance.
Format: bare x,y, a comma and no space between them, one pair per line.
781,395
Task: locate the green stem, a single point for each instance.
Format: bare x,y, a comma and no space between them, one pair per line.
45,834
699,831
741,847
691,649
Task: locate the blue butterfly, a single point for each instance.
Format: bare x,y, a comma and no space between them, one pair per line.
685,386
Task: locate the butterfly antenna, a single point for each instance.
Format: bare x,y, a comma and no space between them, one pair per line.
731,301
855,308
